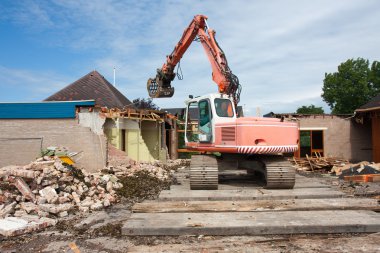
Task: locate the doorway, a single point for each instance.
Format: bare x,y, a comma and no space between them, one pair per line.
311,143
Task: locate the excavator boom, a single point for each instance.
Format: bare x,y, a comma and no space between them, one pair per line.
228,83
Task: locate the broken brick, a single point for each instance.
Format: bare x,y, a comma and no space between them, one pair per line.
24,189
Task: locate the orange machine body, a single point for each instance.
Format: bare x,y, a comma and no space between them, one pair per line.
244,135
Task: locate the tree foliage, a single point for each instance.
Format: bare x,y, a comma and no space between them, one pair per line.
145,103
352,86
311,109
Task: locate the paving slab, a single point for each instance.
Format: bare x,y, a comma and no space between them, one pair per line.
256,205
248,194
253,223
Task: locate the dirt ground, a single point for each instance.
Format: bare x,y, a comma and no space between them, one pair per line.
100,231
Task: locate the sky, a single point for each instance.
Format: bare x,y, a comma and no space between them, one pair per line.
279,49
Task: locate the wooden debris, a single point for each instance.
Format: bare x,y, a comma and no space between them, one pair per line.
318,162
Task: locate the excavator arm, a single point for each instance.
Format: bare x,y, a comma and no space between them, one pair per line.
227,82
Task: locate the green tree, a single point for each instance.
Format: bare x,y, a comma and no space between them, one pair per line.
145,103
353,85
311,109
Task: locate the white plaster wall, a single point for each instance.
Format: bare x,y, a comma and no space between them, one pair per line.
92,120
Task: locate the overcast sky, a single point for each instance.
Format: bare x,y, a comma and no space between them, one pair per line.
280,50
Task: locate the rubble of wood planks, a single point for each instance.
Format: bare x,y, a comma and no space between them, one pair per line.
318,163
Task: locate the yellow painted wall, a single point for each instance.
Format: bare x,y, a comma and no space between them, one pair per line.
141,144
113,136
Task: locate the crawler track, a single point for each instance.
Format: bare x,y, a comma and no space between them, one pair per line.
279,172
203,172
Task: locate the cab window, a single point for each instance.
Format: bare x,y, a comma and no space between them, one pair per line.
204,117
223,107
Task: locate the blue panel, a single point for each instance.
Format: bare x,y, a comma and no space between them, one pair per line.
41,110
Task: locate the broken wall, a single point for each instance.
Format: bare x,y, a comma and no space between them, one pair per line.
92,120
141,140
22,139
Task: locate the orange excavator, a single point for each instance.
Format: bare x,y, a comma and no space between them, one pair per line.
254,144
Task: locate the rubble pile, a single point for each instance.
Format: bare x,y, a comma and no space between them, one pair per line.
360,172
157,169
46,189
318,163
362,168
144,180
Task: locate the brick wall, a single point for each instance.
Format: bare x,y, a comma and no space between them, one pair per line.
20,141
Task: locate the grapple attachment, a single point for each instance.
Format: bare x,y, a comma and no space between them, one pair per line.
158,88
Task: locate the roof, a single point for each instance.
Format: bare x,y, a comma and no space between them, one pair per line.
92,86
373,104
42,110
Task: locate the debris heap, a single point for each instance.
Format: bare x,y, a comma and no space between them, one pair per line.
359,172
318,163
47,189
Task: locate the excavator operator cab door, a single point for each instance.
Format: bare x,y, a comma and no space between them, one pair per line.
199,113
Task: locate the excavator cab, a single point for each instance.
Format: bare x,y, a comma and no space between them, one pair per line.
202,113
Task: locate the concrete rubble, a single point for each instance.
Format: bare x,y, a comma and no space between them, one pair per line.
34,196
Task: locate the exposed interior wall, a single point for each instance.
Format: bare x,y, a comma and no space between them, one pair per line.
140,140
150,133
93,120
112,133
21,140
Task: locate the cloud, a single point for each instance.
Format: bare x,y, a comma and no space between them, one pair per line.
35,85
280,50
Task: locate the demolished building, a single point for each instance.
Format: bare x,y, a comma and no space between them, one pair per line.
84,117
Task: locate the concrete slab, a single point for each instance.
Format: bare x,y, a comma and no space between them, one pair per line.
239,179
249,194
256,205
252,223
225,186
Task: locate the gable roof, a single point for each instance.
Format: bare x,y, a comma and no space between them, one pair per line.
373,104
92,86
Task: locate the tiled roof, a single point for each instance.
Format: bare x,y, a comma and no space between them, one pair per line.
373,104
92,86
